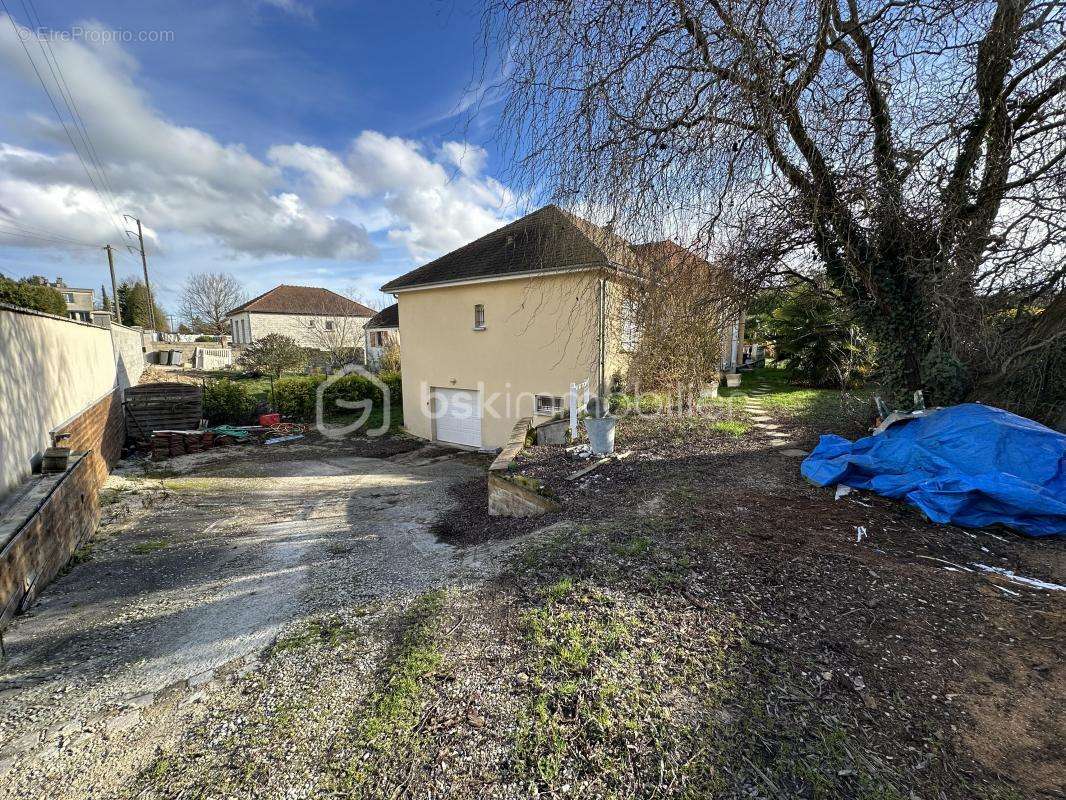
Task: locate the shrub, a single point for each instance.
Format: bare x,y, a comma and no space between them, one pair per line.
295,396
395,384
273,354
390,356
226,401
644,403
28,294
814,336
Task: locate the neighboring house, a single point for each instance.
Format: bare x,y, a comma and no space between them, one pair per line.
382,329
499,329
79,301
314,317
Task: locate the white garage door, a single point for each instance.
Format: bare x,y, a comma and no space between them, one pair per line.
458,414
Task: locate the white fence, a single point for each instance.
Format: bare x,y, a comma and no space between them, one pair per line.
213,358
578,392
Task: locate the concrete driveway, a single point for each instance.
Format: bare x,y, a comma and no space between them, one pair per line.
200,569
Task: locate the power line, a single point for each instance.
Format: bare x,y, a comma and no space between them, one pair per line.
50,239
59,116
68,99
12,223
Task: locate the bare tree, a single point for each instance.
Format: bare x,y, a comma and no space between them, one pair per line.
206,299
673,319
913,151
337,327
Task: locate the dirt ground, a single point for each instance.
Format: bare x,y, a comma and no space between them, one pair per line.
201,562
696,622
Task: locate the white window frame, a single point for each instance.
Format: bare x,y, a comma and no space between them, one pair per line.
479,317
553,406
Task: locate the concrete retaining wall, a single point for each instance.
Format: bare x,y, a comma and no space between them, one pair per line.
508,498
513,495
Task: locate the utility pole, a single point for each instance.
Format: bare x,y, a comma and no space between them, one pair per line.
144,263
116,308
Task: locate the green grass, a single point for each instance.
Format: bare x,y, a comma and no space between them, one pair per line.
824,408
387,736
730,428
328,633
150,546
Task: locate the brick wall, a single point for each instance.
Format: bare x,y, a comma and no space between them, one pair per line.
101,430
68,514
60,512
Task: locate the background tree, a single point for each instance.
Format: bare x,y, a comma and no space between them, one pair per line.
815,337
273,355
911,151
134,299
340,336
105,300
206,299
672,322
34,294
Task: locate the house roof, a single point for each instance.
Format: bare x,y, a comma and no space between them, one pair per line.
548,239
309,300
388,317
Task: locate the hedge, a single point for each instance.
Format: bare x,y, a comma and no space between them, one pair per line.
296,396
226,401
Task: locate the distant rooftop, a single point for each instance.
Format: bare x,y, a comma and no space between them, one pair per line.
308,300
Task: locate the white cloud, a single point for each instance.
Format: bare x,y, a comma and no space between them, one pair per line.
177,177
327,179
435,209
300,200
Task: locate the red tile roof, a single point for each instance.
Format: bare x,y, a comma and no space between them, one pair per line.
309,300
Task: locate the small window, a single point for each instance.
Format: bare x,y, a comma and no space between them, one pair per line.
548,405
310,323
329,325
479,318
68,296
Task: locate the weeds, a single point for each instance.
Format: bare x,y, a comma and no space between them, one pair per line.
328,633
386,736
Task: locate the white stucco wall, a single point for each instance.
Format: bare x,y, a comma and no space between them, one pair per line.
129,355
51,369
297,327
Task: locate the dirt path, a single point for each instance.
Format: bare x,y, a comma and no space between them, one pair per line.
198,584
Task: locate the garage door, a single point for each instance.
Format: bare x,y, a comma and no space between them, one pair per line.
458,414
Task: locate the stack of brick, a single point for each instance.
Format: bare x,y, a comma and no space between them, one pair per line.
167,444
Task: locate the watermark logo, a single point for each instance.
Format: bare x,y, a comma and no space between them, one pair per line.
95,35
364,406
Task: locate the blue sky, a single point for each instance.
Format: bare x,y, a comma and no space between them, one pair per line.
296,141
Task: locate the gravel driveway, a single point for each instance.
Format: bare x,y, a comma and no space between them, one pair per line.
194,575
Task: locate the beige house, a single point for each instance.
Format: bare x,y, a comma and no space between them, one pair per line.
501,328
79,302
382,330
312,316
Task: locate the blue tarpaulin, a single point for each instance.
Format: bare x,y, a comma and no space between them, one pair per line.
970,465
